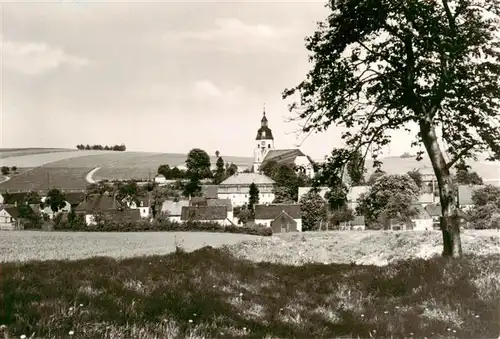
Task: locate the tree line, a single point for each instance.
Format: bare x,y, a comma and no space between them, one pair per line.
119,148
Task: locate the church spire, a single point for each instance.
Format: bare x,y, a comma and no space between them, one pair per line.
263,122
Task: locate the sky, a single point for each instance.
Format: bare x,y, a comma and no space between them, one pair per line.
157,76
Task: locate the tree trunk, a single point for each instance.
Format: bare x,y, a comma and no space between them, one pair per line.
449,223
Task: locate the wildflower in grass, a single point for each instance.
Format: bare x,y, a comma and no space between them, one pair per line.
23,336
190,320
71,332
71,308
81,305
477,315
386,312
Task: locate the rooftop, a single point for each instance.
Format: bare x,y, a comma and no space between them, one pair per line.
247,179
272,211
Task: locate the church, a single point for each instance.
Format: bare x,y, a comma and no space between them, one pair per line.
265,152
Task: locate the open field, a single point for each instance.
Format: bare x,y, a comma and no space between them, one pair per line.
15,152
211,294
44,178
68,169
489,171
33,245
40,159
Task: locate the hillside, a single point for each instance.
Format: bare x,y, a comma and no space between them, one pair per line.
67,169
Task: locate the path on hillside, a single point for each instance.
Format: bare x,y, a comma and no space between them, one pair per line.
90,174
5,179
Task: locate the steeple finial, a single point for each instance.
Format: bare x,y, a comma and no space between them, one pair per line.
264,109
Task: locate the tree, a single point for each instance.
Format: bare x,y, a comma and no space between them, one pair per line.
406,155
5,170
198,164
390,197
231,170
165,171
253,196
192,188
416,176
375,176
486,208
32,198
14,168
341,215
282,195
313,210
129,191
384,65
337,197
55,200
217,154
220,172
356,169
465,177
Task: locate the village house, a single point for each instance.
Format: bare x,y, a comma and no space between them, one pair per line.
143,205
236,188
264,152
173,209
97,203
9,219
280,217
215,214
160,179
423,221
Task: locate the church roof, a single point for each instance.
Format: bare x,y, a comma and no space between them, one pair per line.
284,156
264,133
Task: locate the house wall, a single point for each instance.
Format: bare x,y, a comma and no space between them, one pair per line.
267,222
241,198
145,212
7,223
423,224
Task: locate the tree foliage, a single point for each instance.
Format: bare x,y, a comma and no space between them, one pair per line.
416,176
55,200
5,170
356,169
390,197
313,210
384,65
253,196
486,211
198,164
375,176
220,172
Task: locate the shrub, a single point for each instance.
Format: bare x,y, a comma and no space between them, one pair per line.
114,225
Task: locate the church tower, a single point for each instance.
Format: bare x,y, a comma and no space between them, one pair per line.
264,142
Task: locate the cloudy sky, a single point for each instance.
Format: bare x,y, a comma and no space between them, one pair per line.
156,76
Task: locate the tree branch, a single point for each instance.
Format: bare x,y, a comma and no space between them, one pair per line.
458,156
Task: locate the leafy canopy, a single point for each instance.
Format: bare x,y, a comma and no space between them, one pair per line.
382,65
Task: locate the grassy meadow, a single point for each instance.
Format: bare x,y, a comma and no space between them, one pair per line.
15,152
210,294
198,291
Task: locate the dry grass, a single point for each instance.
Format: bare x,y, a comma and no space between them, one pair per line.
360,247
35,245
15,152
210,294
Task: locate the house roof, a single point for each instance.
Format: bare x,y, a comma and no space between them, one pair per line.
98,203
283,156
204,213
135,215
272,211
209,191
264,133
220,202
421,212
465,193
246,179
13,211
74,198
198,201
434,210
174,208
12,198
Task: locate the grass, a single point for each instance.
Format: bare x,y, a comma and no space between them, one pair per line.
44,178
68,169
15,152
210,294
32,245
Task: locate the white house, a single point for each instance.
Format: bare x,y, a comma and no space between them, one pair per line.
280,217
160,179
48,211
173,209
236,188
265,152
423,221
9,219
216,214
144,206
